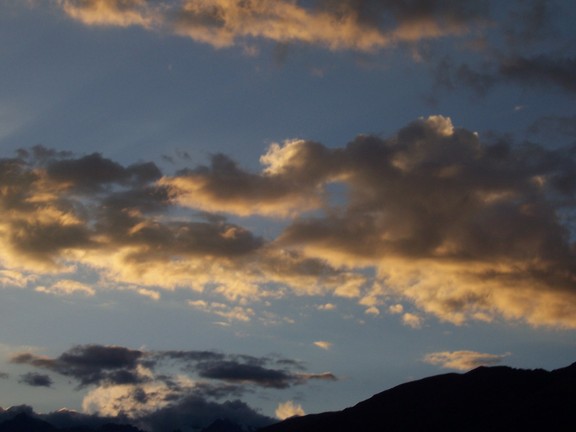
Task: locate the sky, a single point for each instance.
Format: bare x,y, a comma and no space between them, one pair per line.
255,209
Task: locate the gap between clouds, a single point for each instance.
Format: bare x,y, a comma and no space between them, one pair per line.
462,229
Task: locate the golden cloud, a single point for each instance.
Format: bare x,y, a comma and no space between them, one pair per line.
463,360
347,25
460,228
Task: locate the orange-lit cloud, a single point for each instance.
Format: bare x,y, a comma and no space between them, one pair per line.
461,229
463,360
168,389
346,25
289,409
325,345
121,13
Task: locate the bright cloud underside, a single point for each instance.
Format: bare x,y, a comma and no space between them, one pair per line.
462,229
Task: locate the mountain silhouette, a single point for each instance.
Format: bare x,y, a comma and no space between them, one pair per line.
25,422
222,425
487,399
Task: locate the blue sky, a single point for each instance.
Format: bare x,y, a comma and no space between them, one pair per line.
338,196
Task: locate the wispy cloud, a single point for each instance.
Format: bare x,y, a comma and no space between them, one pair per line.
345,25
36,380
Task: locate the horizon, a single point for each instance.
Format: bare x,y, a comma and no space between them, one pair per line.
272,209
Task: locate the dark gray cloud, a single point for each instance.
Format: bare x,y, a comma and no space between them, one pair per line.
94,171
114,365
366,25
90,364
541,71
36,380
246,373
4,375
60,204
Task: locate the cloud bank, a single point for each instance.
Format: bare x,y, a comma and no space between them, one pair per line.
167,389
461,228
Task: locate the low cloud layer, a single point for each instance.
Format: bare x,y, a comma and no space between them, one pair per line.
167,389
289,409
459,227
463,360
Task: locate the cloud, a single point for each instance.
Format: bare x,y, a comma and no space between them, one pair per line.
235,313
541,70
169,389
160,390
289,409
462,228
36,380
323,344
346,25
90,364
67,287
121,13
412,320
463,360
459,227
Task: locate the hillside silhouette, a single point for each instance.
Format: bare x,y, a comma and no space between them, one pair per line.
487,399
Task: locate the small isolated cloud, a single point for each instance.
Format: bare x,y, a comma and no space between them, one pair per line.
326,307
91,364
289,409
323,344
4,375
36,380
396,309
463,360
